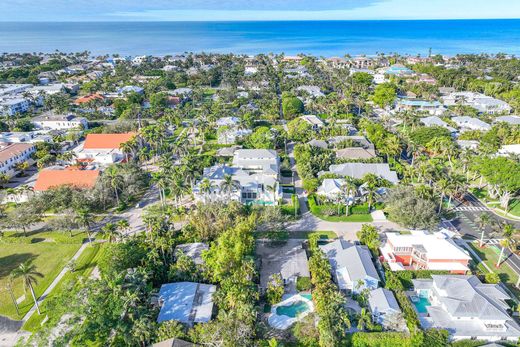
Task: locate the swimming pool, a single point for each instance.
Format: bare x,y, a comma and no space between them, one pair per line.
292,310
421,304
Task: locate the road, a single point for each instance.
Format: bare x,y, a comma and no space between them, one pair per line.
468,212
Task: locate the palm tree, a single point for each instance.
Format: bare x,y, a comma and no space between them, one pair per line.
228,185
348,188
483,220
9,287
110,229
161,180
507,242
84,217
29,277
364,319
115,180
123,226
206,186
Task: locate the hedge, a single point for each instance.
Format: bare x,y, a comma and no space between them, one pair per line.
406,276
360,209
303,284
319,210
386,339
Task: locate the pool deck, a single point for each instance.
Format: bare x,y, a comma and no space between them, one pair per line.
283,322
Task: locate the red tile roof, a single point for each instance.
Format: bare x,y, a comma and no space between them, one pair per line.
106,141
77,178
88,98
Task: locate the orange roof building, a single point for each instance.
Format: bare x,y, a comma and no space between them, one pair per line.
88,98
78,178
106,141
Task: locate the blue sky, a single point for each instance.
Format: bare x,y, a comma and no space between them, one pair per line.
182,10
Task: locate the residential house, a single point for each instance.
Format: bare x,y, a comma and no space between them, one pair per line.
54,121
264,161
186,302
466,308
52,178
331,188
471,123
193,250
174,342
228,121
352,266
432,107
359,170
88,98
355,153
130,89
229,136
14,154
385,309
312,91
313,121
399,70
481,102
421,251
512,120
13,106
436,121
24,137
103,148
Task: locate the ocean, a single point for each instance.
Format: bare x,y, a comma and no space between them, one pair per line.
320,38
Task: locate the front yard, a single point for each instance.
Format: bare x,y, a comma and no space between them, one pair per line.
48,251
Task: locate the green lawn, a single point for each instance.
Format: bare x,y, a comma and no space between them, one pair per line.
361,218
84,267
489,256
323,235
48,251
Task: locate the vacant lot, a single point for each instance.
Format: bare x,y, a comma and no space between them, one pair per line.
48,255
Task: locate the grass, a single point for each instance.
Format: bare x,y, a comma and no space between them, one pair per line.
78,237
360,218
85,264
322,235
489,256
49,259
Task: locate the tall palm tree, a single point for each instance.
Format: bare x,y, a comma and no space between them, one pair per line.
483,220
84,217
123,226
111,231
507,242
29,275
228,185
9,287
115,180
206,186
348,188
364,319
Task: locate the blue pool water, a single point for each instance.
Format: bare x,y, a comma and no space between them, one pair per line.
327,38
422,304
307,296
292,310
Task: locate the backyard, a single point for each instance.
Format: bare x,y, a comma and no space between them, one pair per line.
48,251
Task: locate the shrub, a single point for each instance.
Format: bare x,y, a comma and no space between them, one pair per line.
386,339
275,289
329,210
360,209
303,284
492,278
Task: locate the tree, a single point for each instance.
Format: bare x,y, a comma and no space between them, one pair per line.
299,130
65,221
111,231
275,289
115,180
483,220
291,106
348,188
384,95
261,138
229,185
85,218
492,278
23,217
406,207
369,236
364,320
29,275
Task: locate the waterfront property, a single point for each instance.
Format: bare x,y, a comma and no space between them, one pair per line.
466,307
419,250
352,266
186,302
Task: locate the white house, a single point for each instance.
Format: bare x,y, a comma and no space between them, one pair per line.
13,154
481,102
12,106
103,148
313,121
53,121
436,121
466,307
385,309
471,123
264,161
24,137
352,266
331,188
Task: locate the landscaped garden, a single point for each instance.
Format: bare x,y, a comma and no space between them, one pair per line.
337,212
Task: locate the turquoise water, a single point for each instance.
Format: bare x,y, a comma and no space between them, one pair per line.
307,296
292,310
422,304
327,38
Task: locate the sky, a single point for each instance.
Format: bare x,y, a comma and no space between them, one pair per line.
233,10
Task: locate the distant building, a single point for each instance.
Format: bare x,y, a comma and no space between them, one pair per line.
315,122
24,137
89,98
481,102
512,120
436,121
14,154
59,121
193,250
432,107
12,106
471,123
359,170
103,148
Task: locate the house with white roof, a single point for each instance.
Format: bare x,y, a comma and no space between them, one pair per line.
359,170
385,309
512,120
227,121
471,123
264,161
313,121
480,102
331,188
465,307
186,302
313,91
433,121
352,266
54,121
422,251
432,107
506,150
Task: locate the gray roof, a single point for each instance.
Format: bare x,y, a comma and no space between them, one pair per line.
186,302
358,170
363,141
355,153
382,300
357,260
318,143
174,342
193,250
513,120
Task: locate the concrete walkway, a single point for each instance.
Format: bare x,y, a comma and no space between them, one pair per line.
54,282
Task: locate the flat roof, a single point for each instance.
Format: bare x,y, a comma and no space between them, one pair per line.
186,302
